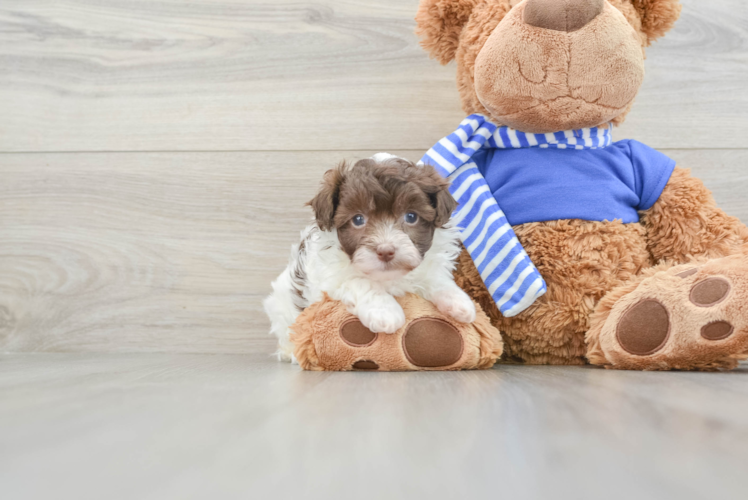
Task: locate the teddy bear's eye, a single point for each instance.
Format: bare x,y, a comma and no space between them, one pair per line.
411,218
358,220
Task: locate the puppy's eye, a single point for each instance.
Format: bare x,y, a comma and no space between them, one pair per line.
411,218
358,220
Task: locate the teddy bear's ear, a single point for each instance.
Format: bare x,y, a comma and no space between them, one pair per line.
657,16
439,24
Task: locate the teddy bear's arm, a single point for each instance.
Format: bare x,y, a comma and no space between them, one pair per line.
685,222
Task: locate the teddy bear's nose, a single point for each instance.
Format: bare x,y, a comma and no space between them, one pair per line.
561,15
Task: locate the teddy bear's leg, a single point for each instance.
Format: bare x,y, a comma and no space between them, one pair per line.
526,338
685,223
683,317
580,261
661,319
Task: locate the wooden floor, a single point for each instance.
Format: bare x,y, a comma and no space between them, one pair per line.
163,426
155,158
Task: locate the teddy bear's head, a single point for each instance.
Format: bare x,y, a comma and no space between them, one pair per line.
545,65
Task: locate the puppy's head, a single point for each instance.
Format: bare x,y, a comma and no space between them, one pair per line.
385,212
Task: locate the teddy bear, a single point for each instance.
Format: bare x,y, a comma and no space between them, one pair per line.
659,284
579,249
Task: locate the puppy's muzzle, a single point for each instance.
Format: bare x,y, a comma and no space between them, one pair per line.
386,252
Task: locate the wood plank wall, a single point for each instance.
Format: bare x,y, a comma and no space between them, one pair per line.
155,155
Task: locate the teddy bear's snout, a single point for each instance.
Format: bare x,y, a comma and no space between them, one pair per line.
552,65
561,15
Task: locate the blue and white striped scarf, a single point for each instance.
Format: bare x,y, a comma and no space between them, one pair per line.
510,276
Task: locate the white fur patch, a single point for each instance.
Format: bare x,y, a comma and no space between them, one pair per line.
381,157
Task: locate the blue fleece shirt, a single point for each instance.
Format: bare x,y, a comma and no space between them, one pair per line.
542,184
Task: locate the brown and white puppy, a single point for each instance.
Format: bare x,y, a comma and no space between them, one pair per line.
381,230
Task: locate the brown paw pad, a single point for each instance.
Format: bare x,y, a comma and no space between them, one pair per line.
687,273
717,330
710,292
644,328
365,364
355,334
432,343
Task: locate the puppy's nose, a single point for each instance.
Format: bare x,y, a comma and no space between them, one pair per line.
386,252
561,15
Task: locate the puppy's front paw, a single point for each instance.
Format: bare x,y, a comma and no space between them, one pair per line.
457,304
386,319
285,352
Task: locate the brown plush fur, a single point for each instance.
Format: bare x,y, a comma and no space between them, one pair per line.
657,16
319,346
519,75
580,261
459,29
543,80
686,222
440,23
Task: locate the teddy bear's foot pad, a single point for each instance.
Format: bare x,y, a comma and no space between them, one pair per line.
644,328
432,343
328,337
355,334
365,364
687,317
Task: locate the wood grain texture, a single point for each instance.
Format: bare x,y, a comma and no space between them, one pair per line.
175,251
217,75
130,75
695,80
165,426
158,251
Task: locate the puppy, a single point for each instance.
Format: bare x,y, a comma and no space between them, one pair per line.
381,231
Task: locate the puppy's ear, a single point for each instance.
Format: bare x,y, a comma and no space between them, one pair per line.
326,201
657,16
439,25
436,188
445,205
